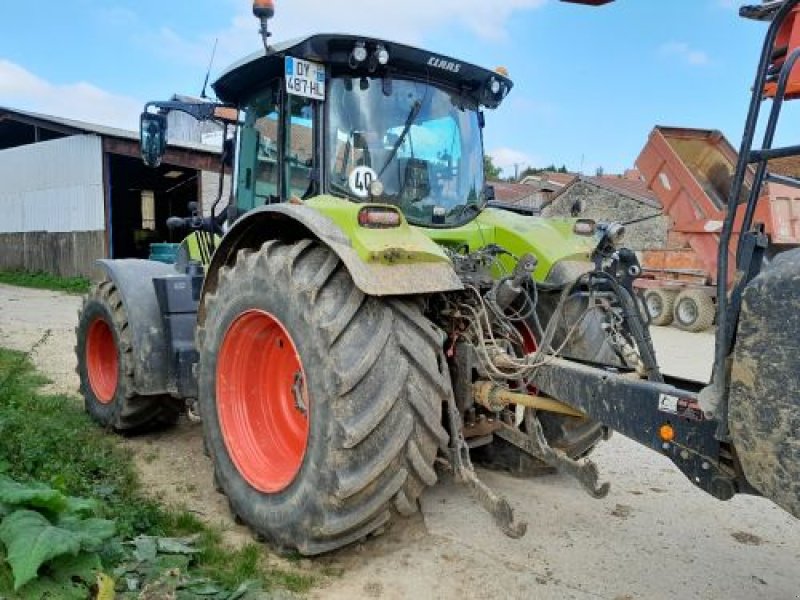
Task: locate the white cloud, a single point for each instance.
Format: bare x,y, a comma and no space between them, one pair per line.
685,52
19,88
508,159
409,21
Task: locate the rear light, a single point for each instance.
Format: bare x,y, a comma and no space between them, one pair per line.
584,227
379,217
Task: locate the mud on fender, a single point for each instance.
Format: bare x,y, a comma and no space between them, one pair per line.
764,409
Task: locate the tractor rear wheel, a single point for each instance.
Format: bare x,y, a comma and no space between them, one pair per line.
106,367
321,406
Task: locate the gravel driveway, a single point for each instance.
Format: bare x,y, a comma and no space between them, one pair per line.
654,536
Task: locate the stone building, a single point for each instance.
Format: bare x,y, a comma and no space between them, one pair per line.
623,199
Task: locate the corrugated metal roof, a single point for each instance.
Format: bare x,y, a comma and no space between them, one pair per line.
86,127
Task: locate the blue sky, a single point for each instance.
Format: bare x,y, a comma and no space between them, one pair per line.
590,83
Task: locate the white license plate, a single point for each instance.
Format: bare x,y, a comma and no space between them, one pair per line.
305,78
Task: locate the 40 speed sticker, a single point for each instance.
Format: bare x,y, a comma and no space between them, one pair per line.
360,180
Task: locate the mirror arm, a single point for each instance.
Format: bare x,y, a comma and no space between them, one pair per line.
202,111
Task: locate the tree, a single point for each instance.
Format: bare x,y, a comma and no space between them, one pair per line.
490,170
548,169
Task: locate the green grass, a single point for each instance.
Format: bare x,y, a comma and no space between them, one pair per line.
46,281
50,439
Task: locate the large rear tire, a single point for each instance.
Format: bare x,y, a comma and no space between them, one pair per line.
361,391
106,367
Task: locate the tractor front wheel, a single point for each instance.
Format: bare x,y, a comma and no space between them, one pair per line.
321,406
106,367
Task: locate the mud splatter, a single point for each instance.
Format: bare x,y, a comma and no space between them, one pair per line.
623,511
747,539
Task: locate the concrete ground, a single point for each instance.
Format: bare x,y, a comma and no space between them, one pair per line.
654,536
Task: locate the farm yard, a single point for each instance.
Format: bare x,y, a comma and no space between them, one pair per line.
452,547
288,314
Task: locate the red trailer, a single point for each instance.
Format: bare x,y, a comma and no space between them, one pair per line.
690,170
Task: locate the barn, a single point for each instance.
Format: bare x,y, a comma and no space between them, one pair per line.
73,192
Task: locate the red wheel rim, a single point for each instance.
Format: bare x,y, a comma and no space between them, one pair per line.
262,401
102,361
529,345
528,338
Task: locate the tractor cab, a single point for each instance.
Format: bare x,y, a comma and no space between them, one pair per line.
361,119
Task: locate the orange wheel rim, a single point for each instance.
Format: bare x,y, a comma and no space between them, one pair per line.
102,361
262,402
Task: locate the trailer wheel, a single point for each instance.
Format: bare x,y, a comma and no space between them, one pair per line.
660,305
694,311
321,406
106,367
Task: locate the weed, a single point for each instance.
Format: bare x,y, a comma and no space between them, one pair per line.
45,281
50,439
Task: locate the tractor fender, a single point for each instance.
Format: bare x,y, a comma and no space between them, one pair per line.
133,279
291,222
764,396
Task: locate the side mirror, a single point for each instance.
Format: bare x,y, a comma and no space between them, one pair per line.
153,138
228,152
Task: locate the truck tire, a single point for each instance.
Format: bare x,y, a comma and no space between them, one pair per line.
106,367
321,406
660,305
694,311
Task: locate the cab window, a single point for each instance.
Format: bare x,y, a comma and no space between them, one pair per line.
266,168
300,148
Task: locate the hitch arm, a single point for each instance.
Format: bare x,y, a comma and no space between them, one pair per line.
585,471
657,415
495,505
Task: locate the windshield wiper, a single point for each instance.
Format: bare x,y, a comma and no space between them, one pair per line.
465,209
412,116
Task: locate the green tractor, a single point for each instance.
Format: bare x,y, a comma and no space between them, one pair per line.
357,317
